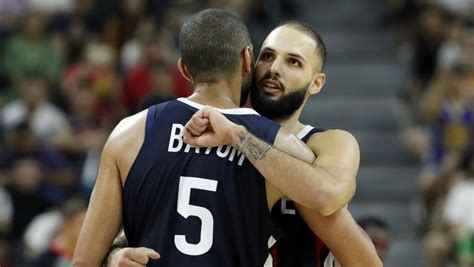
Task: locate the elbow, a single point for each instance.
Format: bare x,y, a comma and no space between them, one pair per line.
328,210
337,197
332,201
325,205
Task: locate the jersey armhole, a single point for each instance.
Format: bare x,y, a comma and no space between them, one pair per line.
153,113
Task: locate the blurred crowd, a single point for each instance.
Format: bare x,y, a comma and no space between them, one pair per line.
438,37
69,72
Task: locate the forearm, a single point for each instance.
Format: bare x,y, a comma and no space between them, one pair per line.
343,236
95,239
102,221
302,182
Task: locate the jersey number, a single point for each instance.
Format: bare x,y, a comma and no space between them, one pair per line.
187,183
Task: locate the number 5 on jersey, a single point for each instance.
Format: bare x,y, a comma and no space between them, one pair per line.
184,208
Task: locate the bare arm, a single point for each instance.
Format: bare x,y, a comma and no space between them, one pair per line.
312,185
104,214
326,185
343,236
338,163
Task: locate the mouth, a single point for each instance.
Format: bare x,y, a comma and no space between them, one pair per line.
270,86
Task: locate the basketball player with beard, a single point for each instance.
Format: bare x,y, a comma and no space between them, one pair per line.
193,204
288,71
284,73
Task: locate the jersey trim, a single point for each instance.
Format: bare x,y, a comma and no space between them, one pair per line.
304,131
231,111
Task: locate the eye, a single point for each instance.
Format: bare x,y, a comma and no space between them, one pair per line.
266,56
294,62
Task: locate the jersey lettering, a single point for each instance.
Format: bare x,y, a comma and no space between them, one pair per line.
186,184
176,145
284,205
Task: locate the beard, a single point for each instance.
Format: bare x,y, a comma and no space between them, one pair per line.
279,108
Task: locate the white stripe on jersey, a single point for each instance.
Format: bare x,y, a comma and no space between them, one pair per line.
230,111
269,261
304,131
331,261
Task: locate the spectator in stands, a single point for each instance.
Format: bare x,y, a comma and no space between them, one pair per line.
59,178
31,52
450,239
62,246
48,122
162,87
459,213
122,26
428,36
379,232
22,191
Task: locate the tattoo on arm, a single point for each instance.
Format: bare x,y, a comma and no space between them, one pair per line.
252,147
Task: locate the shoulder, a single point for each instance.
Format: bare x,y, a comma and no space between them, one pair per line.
128,131
333,138
124,143
333,135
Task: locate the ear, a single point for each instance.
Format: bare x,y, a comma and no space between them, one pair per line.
317,83
247,57
184,70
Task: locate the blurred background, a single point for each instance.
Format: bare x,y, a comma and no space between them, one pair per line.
400,77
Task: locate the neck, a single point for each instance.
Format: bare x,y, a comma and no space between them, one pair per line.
292,123
220,94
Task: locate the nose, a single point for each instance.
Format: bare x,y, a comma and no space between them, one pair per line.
275,68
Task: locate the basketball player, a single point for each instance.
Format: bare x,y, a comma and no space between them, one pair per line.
291,59
291,56
199,206
286,51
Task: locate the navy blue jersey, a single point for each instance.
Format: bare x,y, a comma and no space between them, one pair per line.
197,206
298,246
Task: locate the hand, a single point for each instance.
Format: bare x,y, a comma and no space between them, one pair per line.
209,128
132,257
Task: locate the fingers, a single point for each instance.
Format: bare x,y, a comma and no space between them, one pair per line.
189,138
136,257
152,254
203,129
197,124
124,262
142,255
197,141
123,258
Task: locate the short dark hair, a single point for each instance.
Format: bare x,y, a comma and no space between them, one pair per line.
211,43
311,32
